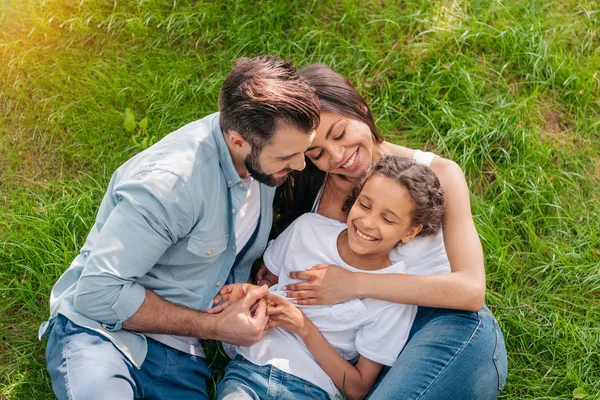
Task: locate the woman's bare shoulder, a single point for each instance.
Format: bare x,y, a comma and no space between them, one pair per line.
391,148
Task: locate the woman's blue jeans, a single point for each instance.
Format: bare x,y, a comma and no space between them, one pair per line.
450,354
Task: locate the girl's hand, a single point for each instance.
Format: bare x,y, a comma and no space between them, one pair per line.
230,294
262,271
326,284
283,314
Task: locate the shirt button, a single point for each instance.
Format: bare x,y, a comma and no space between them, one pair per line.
240,184
233,210
209,252
229,182
218,283
233,247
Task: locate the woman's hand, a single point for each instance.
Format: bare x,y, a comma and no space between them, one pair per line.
231,294
283,314
326,284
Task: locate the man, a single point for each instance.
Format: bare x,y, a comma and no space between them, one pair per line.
179,221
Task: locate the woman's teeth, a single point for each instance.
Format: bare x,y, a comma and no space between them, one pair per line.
351,160
363,236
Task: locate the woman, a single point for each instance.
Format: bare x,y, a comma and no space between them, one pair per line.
455,348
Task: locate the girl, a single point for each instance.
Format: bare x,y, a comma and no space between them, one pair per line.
308,355
455,348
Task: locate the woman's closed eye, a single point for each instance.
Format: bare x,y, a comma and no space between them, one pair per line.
363,205
316,158
341,135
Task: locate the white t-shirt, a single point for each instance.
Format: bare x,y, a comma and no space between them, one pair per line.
372,328
246,219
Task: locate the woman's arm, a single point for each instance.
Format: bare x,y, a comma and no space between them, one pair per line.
353,381
463,288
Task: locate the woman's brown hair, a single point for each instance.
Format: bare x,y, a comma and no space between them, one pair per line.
336,95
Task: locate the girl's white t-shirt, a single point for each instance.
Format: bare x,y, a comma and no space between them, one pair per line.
373,328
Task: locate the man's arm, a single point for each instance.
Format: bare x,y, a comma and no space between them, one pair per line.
154,211
236,325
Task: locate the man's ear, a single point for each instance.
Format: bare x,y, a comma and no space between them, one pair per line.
236,142
411,233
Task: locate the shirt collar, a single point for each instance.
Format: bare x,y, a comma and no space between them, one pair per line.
225,160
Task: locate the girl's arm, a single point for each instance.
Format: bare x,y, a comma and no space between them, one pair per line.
353,381
266,277
463,288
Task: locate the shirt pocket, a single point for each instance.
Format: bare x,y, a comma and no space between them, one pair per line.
191,262
207,248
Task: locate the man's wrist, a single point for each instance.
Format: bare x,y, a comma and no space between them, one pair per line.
208,326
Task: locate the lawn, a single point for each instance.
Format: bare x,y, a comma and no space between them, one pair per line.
508,89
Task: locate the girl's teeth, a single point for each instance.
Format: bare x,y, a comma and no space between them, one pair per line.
350,161
363,236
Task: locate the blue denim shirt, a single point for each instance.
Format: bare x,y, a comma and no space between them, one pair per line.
166,223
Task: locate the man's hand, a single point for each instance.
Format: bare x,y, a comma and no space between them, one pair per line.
231,294
326,284
283,314
238,324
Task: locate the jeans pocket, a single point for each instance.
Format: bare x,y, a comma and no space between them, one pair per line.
500,359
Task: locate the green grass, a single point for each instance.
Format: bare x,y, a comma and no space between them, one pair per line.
510,90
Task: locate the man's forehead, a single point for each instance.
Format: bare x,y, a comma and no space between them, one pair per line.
292,140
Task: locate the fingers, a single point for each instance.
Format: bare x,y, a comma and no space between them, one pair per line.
302,275
219,308
261,272
300,286
261,310
272,324
227,289
318,267
300,294
275,299
253,296
309,302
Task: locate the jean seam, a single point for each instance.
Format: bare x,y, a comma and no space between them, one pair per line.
495,357
453,357
68,388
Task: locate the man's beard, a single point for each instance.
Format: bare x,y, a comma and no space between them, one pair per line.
253,166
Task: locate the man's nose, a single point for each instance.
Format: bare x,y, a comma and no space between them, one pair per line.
298,162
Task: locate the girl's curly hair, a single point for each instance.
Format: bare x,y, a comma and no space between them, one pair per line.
422,184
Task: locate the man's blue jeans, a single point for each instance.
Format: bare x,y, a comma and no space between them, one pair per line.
450,354
246,381
84,365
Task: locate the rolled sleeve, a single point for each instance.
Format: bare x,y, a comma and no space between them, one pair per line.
153,210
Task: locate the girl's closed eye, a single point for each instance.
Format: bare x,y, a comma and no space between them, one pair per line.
387,221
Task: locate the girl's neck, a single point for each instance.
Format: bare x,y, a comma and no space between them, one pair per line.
367,262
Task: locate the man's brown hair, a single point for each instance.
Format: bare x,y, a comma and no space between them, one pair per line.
262,92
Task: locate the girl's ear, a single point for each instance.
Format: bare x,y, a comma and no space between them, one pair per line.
411,233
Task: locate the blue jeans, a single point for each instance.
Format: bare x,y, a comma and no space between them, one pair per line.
244,380
450,354
85,365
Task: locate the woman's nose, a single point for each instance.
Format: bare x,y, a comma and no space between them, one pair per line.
336,154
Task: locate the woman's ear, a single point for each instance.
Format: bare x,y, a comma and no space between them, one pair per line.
411,233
